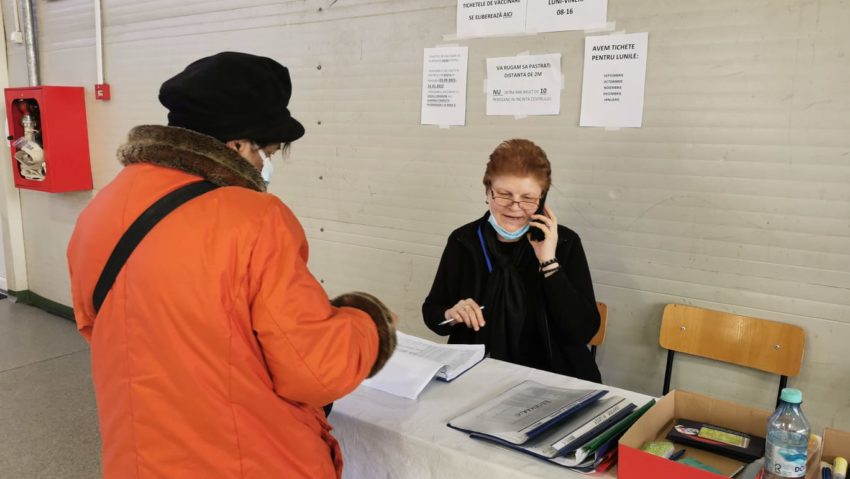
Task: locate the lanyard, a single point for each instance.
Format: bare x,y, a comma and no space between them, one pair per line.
484,249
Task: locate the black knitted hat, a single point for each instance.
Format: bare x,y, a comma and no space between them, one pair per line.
233,96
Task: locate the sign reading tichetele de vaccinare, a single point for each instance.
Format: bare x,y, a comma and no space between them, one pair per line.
485,18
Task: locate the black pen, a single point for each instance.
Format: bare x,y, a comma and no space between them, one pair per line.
677,455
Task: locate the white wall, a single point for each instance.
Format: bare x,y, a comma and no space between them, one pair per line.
12,257
734,195
2,261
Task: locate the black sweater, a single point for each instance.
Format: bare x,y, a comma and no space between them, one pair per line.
559,346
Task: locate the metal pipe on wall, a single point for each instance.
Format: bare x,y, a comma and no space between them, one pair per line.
98,42
16,36
31,41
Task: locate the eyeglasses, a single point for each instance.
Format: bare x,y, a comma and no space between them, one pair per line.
526,205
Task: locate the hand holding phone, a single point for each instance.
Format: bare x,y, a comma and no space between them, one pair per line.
535,233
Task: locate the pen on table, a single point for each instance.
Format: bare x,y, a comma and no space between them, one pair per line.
450,320
677,455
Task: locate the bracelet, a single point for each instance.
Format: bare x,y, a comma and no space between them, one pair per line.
547,263
551,270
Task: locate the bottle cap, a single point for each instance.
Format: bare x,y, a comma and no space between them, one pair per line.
791,395
840,466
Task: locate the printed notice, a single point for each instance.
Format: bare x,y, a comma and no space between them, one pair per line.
444,86
614,80
484,18
561,15
524,85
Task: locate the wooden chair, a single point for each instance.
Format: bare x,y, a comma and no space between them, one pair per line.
599,338
755,343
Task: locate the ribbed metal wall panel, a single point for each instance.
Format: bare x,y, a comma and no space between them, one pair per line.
734,195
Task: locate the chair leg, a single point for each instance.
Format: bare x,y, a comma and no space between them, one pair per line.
783,383
668,372
593,351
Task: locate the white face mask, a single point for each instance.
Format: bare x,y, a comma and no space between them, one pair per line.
268,168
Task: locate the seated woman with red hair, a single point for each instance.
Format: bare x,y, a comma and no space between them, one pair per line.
529,302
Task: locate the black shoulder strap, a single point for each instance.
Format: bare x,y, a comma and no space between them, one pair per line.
137,231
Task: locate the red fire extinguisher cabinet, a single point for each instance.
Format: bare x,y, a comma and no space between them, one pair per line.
60,113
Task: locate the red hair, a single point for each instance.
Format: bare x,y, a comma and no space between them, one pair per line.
519,157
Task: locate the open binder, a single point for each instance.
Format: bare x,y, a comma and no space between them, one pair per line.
417,361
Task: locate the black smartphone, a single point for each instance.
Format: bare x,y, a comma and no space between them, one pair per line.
536,234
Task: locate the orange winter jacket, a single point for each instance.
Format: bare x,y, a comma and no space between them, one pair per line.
216,348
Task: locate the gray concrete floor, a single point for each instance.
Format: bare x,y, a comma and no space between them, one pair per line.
48,415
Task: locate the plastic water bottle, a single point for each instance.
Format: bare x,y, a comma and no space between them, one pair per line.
787,438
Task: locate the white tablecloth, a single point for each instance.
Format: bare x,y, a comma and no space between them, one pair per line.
388,437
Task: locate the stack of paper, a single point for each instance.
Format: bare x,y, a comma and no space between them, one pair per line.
417,361
577,429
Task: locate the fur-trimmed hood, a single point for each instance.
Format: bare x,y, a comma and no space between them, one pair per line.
189,151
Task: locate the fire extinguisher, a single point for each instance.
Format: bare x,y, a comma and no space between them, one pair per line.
30,154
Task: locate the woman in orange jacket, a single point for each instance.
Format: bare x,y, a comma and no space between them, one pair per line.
215,348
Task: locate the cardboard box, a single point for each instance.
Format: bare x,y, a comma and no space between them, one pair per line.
835,443
654,425
838,445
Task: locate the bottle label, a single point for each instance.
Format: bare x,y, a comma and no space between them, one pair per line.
785,462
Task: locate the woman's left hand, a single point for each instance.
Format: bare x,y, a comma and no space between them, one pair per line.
548,224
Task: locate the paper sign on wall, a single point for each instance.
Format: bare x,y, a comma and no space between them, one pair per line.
561,15
524,85
444,86
483,18
614,80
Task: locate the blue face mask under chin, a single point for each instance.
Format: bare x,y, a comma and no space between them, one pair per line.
506,234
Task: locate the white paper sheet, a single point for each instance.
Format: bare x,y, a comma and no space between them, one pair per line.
562,15
417,361
444,86
483,18
404,375
524,85
614,80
